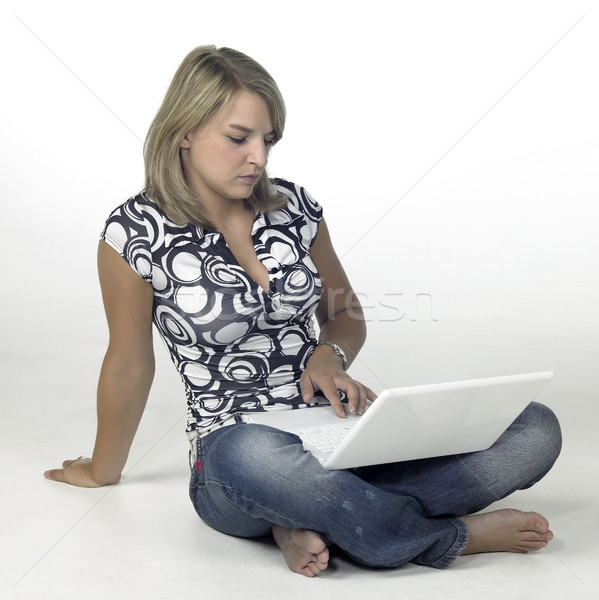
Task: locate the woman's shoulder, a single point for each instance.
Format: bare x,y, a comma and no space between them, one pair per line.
138,221
138,208
141,215
299,200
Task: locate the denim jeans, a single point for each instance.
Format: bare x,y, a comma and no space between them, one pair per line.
248,477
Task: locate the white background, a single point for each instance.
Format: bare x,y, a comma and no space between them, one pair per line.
453,146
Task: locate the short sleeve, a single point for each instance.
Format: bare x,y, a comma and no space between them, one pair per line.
301,203
126,230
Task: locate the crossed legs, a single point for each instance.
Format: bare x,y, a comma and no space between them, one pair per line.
255,480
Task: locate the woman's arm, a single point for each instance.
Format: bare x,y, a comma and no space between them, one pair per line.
341,321
126,375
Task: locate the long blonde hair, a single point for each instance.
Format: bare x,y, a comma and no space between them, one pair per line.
202,85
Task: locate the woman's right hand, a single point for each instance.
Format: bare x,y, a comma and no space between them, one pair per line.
76,472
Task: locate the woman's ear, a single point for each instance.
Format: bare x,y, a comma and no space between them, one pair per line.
185,143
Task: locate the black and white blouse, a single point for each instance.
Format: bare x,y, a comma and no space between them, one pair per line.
237,347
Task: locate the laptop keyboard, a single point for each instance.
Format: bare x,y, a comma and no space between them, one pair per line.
324,438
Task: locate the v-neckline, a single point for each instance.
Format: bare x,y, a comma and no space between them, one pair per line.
263,267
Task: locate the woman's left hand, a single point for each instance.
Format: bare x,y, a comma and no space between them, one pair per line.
325,373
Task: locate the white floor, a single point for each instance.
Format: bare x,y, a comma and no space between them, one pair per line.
141,539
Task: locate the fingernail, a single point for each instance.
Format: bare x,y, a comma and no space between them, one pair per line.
352,410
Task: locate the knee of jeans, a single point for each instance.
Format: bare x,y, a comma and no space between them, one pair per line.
551,427
545,434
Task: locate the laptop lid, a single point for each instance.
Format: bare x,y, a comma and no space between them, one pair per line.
420,421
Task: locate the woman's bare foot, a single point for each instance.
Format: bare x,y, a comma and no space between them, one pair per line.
304,550
506,530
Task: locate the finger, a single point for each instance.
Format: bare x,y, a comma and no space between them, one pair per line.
358,397
55,475
352,391
330,392
362,399
306,388
68,463
369,395
372,396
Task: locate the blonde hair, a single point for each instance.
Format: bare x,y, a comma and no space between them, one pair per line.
204,82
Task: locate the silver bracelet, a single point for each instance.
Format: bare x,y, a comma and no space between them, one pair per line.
338,351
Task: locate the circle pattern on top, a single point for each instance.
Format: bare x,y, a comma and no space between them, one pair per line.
236,346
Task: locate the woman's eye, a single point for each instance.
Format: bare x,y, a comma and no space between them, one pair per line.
242,140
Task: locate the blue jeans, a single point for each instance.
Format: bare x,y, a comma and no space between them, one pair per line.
249,477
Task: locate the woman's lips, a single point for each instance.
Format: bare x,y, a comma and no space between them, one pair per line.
250,178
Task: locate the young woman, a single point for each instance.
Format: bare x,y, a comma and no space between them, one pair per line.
231,267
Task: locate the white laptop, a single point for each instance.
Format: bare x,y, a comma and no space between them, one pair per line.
412,422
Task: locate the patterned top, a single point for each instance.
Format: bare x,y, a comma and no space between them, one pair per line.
237,347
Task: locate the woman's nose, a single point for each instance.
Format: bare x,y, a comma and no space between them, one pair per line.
259,155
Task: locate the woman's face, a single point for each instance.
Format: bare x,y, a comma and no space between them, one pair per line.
224,158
